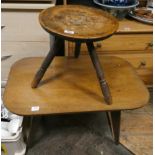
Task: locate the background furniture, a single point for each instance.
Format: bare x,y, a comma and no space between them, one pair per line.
133,41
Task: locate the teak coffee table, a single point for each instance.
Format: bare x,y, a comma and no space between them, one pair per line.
60,93
80,24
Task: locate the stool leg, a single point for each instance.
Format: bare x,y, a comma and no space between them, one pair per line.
99,72
114,118
50,56
77,49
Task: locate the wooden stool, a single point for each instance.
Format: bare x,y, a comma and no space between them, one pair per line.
79,24
61,93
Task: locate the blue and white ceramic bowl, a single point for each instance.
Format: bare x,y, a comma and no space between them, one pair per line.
118,2
118,8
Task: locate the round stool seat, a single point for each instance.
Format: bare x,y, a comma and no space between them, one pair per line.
76,22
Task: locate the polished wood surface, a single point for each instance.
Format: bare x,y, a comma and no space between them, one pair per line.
60,91
78,22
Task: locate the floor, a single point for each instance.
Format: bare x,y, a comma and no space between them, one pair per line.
137,129
89,134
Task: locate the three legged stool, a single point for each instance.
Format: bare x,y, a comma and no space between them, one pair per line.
80,24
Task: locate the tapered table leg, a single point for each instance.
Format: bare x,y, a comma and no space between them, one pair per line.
50,56
114,118
77,49
30,126
99,72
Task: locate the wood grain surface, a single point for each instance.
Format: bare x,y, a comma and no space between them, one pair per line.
70,85
78,22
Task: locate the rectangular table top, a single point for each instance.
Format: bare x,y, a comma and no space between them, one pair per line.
70,85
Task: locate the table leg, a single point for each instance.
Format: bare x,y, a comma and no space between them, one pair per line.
77,49
114,118
99,72
47,61
30,126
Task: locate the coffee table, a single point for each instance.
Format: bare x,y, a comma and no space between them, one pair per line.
60,92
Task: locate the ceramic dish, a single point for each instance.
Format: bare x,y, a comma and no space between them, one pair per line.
118,11
139,18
